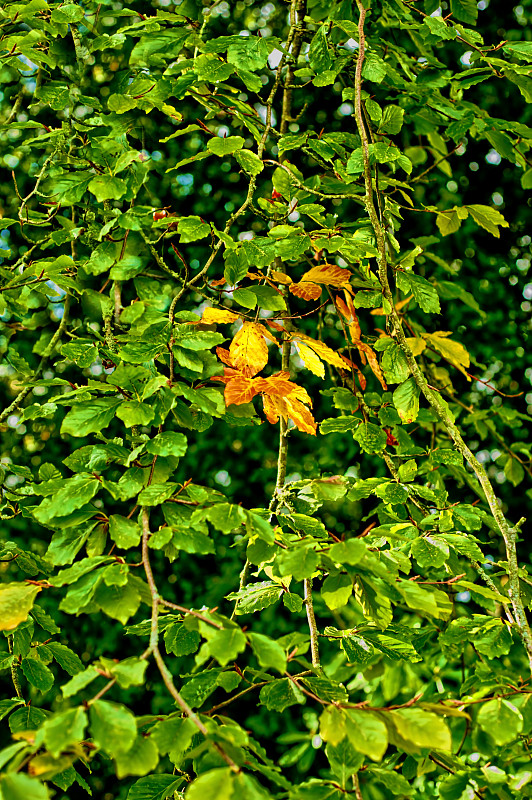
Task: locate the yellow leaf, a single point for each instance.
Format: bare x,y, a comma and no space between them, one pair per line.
328,274
452,351
306,290
211,316
280,277
248,350
16,602
416,344
310,359
322,350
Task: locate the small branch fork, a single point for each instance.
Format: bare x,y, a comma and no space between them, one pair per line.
508,532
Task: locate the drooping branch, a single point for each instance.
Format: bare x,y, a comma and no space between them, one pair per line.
436,402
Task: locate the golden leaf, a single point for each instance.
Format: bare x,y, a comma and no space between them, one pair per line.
322,350
310,359
328,274
280,277
248,350
452,351
212,316
306,290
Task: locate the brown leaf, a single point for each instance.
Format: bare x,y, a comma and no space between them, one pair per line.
306,290
328,274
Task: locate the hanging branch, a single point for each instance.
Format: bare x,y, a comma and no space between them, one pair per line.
436,402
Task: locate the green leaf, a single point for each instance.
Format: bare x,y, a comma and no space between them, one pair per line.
424,292
192,229
21,787
392,119
420,729
124,532
406,400
249,162
65,657
367,733
300,562
465,11
256,597
429,551
79,682
118,602
349,552
16,602
318,54
225,645
216,784
224,147
90,417
155,787
37,673
269,653
370,437
112,727
244,297
336,590
280,694
65,729
139,759
157,493
180,641
344,761
488,218
106,187
133,412
513,470
168,443
226,517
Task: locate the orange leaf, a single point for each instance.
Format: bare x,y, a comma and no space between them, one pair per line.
211,316
328,274
380,312
288,408
372,361
240,389
279,385
225,356
322,350
310,359
219,282
306,290
248,350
